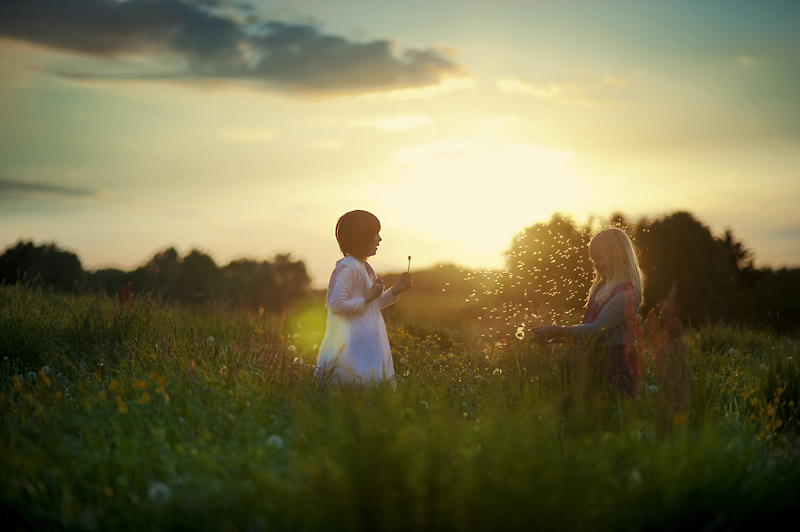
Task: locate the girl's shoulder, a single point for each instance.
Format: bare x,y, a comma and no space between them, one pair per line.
348,262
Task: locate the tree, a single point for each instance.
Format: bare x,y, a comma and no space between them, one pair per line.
46,265
548,264
678,250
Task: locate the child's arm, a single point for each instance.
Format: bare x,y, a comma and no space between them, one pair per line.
341,289
611,316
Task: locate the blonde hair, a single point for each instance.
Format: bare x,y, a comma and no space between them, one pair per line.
622,264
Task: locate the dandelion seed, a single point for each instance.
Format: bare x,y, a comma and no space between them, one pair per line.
159,493
275,441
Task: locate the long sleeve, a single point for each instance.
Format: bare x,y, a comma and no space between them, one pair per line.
611,317
343,293
387,298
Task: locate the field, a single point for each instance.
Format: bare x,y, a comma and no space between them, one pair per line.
134,415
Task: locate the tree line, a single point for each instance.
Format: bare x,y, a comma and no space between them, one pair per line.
714,277
273,285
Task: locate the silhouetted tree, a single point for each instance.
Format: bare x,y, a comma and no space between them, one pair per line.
197,279
681,251
548,263
46,265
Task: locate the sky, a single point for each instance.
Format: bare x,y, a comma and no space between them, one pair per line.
245,128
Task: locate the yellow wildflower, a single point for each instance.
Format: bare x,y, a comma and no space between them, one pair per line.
113,385
122,407
139,385
144,399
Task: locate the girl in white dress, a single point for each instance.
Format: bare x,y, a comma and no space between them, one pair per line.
356,348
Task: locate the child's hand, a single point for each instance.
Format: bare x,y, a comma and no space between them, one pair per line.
544,334
375,290
403,283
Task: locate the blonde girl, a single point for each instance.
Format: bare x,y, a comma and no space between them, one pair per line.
610,324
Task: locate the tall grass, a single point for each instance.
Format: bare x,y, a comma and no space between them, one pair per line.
136,416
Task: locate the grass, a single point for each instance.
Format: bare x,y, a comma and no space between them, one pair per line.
143,416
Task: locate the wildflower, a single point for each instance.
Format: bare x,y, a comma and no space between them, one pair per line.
275,441
144,399
403,360
159,493
31,375
123,408
46,370
139,385
732,351
497,371
113,385
291,349
652,388
210,340
45,380
520,334
59,395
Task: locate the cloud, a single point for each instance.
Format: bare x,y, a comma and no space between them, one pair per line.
211,44
11,187
568,94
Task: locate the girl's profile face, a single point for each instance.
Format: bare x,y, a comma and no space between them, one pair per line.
372,247
599,262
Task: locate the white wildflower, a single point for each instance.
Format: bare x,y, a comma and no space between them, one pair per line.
497,371
159,493
275,441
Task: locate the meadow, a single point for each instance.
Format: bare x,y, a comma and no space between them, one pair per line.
130,414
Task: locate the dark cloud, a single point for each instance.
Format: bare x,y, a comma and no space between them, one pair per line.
12,187
297,56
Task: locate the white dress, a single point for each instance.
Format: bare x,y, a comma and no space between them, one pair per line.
355,347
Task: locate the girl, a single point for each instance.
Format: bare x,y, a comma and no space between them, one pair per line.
611,322
356,348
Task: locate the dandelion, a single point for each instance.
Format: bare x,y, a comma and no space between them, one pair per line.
159,493
45,370
31,375
520,334
210,340
275,441
113,385
139,385
403,360
291,349
144,399
652,388
123,408
497,371
732,351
